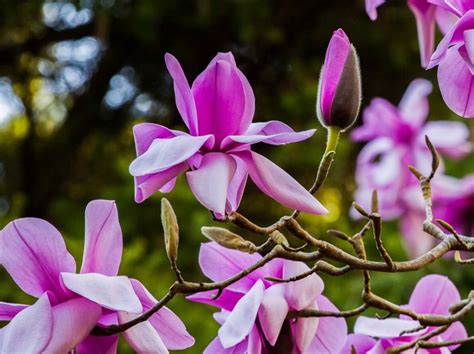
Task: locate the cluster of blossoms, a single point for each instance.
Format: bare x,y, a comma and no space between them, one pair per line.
396,139
454,55
254,314
396,135
259,314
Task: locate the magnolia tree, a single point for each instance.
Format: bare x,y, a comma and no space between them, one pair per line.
269,299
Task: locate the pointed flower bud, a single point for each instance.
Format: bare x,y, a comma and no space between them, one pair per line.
339,92
228,239
171,231
280,239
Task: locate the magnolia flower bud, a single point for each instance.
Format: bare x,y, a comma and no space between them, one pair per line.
339,92
228,239
280,239
171,230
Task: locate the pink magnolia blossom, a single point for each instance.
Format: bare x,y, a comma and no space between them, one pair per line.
254,310
70,304
427,14
396,138
433,294
455,58
218,111
339,92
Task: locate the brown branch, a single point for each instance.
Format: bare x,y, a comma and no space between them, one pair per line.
277,246
319,313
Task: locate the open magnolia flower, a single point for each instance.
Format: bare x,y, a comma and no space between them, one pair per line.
433,294
218,110
254,310
455,58
396,139
70,305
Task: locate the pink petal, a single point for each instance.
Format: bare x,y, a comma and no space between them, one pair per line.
331,333
387,328
114,293
221,317
371,8
8,310
454,36
182,91
360,342
443,293
457,83
425,21
414,105
210,182
254,342
224,99
169,186
30,331
171,329
142,338
273,132
273,312
279,185
455,144
241,320
166,153
73,320
103,241
215,347
219,263
304,329
226,300
146,133
380,164
302,293
237,185
456,331
469,45
445,20
98,345
455,7
34,254
145,186
336,56
381,118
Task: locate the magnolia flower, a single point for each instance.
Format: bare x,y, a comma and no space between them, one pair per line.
254,310
396,138
455,57
70,305
426,15
218,111
433,294
339,92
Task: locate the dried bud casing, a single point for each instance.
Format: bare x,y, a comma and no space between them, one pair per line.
228,239
339,91
280,239
171,230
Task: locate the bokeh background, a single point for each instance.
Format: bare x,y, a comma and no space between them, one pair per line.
75,76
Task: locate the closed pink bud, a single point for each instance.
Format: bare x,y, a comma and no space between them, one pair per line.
339,93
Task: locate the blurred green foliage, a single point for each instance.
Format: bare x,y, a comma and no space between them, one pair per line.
69,147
